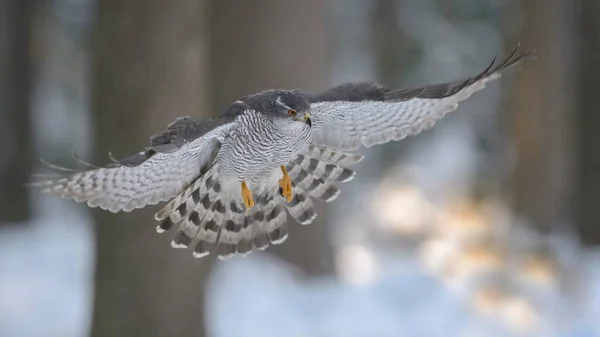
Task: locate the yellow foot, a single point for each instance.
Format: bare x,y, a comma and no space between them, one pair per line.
247,196
286,185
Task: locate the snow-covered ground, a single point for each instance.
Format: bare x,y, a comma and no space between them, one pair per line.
46,274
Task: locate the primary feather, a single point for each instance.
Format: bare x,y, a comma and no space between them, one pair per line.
352,115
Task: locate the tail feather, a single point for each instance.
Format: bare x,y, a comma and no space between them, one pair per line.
301,208
231,230
204,190
259,228
208,236
322,169
212,223
224,244
210,228
315,187
199,215
190,226
249,231
275,224
330,156
181,240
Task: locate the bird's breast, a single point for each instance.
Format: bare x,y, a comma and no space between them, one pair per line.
253,152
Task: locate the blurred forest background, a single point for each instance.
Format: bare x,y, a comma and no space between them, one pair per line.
486,225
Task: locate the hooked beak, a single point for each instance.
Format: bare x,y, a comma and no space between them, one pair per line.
307,119
304,119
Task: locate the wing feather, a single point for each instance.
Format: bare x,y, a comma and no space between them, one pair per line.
352,115
182,131
156,179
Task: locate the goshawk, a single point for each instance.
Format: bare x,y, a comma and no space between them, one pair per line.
232,181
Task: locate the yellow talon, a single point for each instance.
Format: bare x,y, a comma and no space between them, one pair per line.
286,185
247,196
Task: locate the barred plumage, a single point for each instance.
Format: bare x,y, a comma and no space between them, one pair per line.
203,166
241,232
124,188
367,114
301,207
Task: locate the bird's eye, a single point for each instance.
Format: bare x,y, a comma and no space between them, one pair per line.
292,112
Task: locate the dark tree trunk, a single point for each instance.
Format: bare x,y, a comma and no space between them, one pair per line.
16,21
148,63
588,135
541,126
268,44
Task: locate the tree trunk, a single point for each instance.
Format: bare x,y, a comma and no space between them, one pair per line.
16,20
588,137
540,185
148,68
269,44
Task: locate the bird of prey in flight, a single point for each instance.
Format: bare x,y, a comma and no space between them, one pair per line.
230,182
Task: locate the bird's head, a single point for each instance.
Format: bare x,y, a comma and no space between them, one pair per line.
292,105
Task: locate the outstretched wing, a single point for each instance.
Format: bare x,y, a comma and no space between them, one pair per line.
364,114
175,158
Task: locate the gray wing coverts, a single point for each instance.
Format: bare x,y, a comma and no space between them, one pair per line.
352,115
178,133
184,130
